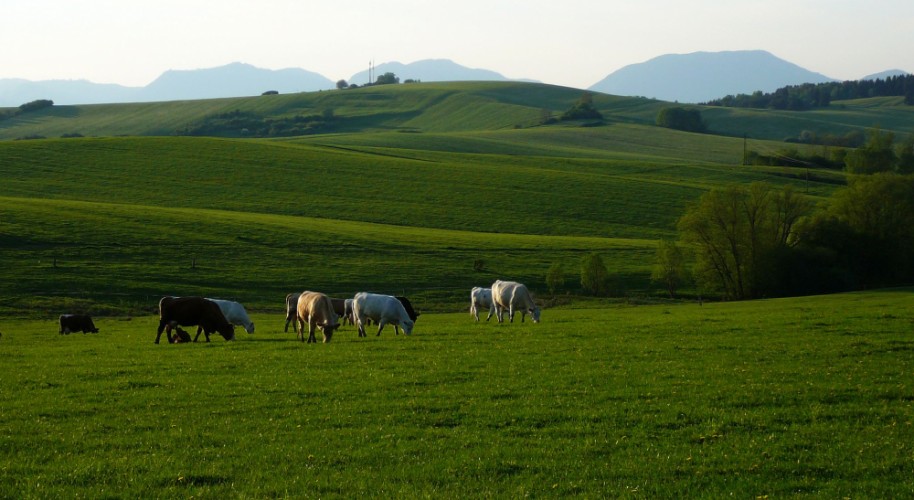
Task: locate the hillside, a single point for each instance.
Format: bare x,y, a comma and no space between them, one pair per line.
108,224
419,185
437,108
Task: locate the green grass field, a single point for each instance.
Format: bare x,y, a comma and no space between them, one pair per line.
634,396
111,224
791,397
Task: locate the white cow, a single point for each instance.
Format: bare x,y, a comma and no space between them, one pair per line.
235,314
481,298
514,297
382,309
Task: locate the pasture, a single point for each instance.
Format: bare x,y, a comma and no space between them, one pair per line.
424,190
807,396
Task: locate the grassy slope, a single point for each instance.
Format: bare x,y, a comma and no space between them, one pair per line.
447,107
111,257
427,156
255,213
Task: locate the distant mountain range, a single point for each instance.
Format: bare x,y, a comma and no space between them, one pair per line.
689,78
232,80
702,76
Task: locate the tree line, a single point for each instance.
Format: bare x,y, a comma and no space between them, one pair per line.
875,152
820,95
758,241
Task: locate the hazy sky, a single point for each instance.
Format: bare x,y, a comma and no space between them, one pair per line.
567,42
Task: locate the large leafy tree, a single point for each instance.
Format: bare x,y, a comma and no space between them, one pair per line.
669,266
879,211
875,156
594,276
738,233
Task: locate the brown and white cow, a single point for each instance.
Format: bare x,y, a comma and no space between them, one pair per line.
76,323
192,311
316,309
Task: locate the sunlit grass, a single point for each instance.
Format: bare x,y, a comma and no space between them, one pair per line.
782,397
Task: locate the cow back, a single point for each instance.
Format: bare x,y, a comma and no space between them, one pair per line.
318,306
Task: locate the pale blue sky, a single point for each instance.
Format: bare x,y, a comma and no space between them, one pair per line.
569,42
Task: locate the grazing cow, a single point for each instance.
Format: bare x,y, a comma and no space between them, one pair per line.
235,314
347,308
413,315
316,309
76,323
382,309
514,297
291,312
192,311
481,298
343,309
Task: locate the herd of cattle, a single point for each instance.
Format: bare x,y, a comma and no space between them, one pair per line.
316,311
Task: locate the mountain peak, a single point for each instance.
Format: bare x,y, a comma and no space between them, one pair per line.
702,76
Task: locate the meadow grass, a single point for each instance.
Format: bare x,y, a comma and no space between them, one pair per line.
110,225
808,397
119,259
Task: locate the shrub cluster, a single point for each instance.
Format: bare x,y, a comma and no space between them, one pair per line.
246,124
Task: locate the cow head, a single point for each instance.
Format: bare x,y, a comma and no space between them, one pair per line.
249,327
535,314
227,333
407,326
328,329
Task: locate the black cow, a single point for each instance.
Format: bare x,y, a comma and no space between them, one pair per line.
413,315
192,311
76,323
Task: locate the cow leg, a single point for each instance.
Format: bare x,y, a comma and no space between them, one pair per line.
511,313
381,326
311,326
396,329
474,312
491,310
360,325
159,332
205,334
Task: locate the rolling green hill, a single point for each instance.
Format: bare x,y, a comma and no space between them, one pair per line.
112,221
112,224
442,108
